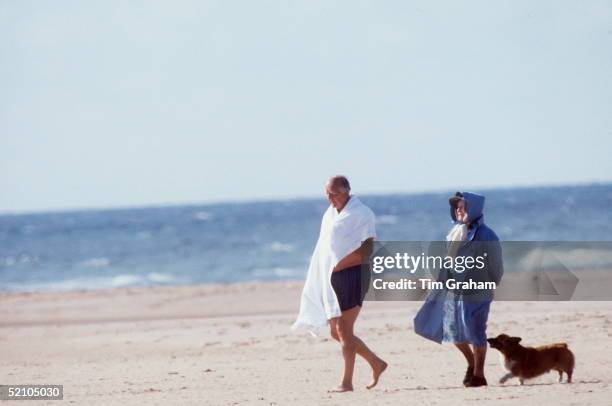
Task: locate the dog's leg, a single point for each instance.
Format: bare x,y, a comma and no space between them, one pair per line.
569,376
504,378
521,381
560,376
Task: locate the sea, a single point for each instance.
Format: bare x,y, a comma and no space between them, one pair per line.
260,240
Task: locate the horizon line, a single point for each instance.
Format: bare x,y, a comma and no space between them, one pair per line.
161,205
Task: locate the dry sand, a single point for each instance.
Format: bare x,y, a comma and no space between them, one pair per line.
231,345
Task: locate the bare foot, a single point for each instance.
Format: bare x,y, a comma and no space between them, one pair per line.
341,388
376,373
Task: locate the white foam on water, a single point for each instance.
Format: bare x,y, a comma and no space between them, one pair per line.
159,277
285,272
95,282
26,259
386,219
9,261
277,272
203,216
100,262
278,246
126,280
143,235
59,286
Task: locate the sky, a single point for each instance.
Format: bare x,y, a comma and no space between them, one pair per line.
119,104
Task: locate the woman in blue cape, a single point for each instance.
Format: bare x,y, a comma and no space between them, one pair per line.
459,316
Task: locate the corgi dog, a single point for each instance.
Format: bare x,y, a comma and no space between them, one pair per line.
530,362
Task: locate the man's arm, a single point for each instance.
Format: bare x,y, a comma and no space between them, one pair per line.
356,257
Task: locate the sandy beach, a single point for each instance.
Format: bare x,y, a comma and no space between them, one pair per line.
232,345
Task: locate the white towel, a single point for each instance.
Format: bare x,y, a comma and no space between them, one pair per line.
341,233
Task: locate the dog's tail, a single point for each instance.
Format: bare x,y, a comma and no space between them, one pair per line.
573,364
569,361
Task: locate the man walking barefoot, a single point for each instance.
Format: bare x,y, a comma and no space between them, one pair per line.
335,285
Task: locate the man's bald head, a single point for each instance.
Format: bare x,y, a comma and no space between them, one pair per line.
339,184
337,190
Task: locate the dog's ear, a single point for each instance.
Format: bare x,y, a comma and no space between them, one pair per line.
515,340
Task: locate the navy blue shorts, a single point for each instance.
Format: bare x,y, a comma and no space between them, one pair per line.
350,284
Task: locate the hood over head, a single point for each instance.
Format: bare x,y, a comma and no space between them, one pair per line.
474,204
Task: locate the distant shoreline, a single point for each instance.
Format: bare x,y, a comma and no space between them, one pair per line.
200,301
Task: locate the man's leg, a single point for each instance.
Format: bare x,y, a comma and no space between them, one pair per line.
344,331
360,347
351,345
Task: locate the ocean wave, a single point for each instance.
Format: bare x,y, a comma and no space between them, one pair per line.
10,261
386,219
278,246
19,259
99,262
126,280
90,283
54,286
203,216
143,235
160,277
277,273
